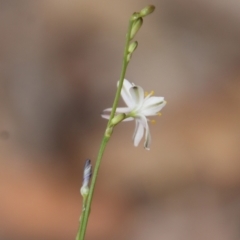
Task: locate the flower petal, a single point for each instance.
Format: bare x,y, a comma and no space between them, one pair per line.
127,85
126,96
152,111
106,112
152,105
128,119
152,101
106,116
138,133
148,139
118,110
144,123
123,110
137,95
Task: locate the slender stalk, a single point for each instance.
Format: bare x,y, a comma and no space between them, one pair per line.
123,72
86,211
87,206
83,210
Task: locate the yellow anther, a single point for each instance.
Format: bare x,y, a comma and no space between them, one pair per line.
159,114
153,121
151,93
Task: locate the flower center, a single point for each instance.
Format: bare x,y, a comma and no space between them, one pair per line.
147,94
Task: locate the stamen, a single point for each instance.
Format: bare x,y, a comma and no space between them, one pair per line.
153,121
147,94
159,114
151,93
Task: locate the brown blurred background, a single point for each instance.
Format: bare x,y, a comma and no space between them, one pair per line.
59,64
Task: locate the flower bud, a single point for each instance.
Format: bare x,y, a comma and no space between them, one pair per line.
129,57
132,47
84,191
87,173
117,119
109,131
135,27
135,16
146,11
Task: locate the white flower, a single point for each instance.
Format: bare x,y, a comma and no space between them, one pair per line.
138,108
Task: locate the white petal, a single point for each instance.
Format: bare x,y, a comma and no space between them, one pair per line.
106,112
123,110
152,105
126,96
152,111
128,119
136,128
138,133
144,123
137,95
105,116
151,101
126,84
148,139
118,110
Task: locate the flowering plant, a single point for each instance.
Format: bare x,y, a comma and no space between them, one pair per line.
140,106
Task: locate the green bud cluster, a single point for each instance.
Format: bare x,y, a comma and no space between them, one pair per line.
137,21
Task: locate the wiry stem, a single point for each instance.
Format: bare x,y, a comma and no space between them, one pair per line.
123,72
87,206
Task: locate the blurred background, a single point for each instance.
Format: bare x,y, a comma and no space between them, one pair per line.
59,64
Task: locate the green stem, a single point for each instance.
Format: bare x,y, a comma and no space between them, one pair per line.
86,212
83,210
87,206
123,72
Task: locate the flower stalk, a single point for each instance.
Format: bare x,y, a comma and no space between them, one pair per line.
136,21
123,72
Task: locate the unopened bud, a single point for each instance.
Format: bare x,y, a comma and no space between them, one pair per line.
132,47
146,11
87,173
135,27
135,16
129,57
84,191
108,132
117,119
